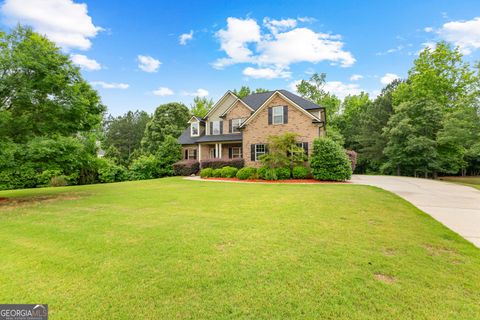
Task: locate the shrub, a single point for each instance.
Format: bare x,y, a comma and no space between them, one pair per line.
217,173
247,173
144,167
352,155
45,178
58,181
206,173
229,172
186,167
108,171
300,172
220,163
169,152
329,161
262,173
282,173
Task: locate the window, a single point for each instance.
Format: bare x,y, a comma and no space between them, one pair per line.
194,129
213,153
236,124
260,149
277,115
236,152
191,154
215,126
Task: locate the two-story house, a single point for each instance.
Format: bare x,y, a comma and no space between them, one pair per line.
239,128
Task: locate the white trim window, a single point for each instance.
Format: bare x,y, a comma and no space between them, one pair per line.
215,127
236,152
236,124
277,115
213,153
194,129
192,154
260,149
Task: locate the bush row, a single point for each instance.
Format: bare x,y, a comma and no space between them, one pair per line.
264,173
220,163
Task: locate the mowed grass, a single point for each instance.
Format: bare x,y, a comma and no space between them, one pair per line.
177,249
472,181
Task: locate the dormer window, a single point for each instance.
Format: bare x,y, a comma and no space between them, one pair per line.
194,129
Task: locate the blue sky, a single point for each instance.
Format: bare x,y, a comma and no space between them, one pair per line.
131,51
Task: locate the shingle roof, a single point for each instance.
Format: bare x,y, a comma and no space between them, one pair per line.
257,99
185,137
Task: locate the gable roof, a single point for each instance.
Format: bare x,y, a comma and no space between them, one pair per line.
302,107
258,99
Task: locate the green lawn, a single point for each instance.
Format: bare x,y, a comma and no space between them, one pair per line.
171,248
469,181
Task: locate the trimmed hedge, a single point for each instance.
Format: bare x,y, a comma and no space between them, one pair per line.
282,173
300,172
217,173
206,173
247,173
228,172
220,163
186,167
329,161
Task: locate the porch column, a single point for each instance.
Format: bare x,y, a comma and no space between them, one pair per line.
199,152
220,150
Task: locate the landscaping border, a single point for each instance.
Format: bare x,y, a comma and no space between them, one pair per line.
289,181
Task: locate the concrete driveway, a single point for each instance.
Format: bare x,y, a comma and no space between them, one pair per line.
456,206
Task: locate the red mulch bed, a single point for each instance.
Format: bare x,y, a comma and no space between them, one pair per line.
3,199
311,181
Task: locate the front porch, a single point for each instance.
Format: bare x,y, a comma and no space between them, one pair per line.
213,150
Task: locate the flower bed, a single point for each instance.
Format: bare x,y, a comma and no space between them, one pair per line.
289,181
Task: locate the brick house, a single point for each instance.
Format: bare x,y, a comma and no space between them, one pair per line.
239,128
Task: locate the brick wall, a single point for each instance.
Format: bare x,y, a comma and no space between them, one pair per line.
258,130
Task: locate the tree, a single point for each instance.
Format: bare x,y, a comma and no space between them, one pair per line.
246,91
169,152
329,161
283,151
123,135
435,110
369,136
348,122
200,106
411,134
168,120
41,91
49,115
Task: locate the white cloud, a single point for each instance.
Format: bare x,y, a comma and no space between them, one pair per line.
279,25
306,19
303,45
428,29
148,64
62,21
388,77
109,85
163,91
465,34
234,41
356,77
85,63
391,50
185,37
281,44
199,93
266,73
338,88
